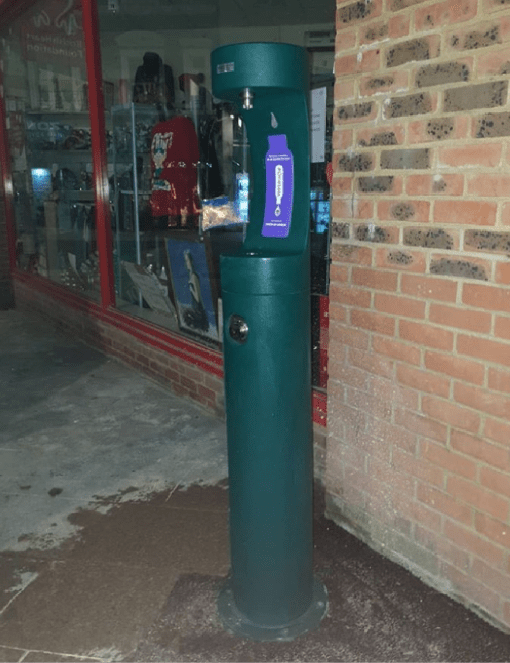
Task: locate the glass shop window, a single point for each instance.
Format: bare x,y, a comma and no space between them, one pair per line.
48,128
180,171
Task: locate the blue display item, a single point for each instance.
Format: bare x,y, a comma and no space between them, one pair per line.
241,197
192,287
41,183
320,208
47,135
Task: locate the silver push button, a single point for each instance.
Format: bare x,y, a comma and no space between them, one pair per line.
238,329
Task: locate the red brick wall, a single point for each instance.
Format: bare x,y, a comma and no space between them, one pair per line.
418,453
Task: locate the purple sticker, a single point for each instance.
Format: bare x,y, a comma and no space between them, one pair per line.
279,188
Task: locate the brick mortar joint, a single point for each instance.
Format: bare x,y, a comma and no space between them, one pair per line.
453,353
499,257
362,23
496,256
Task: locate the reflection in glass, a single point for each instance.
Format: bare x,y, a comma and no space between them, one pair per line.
48,131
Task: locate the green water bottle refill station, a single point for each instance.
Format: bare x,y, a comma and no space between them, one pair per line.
271,593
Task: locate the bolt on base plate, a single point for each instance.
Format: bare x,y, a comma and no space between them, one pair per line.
237,624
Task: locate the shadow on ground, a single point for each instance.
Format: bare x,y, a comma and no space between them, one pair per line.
378,612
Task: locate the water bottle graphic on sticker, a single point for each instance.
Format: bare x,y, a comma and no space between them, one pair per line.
279,188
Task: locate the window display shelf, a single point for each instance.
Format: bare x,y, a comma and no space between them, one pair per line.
43,113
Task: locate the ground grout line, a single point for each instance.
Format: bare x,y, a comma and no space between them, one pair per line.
34,576
11,601
183,481
172,491
26,652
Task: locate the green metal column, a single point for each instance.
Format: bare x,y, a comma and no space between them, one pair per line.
271,593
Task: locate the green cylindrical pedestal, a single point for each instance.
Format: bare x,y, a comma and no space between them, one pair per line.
271,594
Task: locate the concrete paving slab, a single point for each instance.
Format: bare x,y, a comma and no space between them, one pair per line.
78,427
172,539
112,578
89,609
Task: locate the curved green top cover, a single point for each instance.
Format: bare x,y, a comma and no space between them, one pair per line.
277,75
259,65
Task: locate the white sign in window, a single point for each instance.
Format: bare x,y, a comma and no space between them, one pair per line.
318,124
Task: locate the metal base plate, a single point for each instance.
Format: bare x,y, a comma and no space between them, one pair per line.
237,624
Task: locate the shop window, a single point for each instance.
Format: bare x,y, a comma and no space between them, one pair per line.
165,120
48,131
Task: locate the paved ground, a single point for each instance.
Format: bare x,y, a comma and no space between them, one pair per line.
114,531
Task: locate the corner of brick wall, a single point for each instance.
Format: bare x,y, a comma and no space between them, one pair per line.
418,449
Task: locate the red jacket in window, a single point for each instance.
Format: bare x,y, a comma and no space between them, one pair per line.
174,155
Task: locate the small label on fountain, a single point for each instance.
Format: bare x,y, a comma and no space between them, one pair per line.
225,68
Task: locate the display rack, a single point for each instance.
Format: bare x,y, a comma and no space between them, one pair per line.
55,218
131,126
